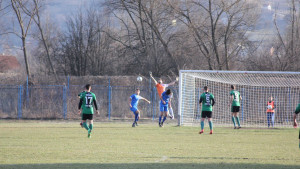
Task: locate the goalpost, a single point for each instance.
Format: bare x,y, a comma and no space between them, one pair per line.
254,86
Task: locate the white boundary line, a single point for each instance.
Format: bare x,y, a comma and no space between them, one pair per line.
163,158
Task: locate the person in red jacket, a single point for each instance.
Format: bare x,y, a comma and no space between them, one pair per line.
271,111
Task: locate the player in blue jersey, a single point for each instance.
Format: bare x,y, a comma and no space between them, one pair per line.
164,103
133,104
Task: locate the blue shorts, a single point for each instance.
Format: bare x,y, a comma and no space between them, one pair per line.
133,109
163,107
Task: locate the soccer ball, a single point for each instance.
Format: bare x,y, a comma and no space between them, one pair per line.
173,22
269,106
139,79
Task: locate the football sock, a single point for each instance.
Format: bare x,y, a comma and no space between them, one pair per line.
233,120
171,112
202,125
268,118
159,119
210,125
164,119
85,126
238,121
273,119
91,127
136,117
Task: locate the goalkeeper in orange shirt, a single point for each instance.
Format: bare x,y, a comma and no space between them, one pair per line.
161,87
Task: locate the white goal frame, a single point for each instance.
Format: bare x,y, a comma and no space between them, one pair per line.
183,86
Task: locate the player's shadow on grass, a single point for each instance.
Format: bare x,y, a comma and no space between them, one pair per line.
150,165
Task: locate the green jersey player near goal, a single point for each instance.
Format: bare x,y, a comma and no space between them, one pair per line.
79,96
86,102
208,100
235,99
297,111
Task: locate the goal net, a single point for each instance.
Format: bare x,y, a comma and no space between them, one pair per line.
255,88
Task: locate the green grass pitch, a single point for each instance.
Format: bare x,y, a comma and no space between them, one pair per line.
42,144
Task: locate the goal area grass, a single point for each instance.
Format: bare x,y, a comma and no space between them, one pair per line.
56,144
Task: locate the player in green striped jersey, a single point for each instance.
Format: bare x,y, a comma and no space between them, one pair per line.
87,100
208,101
79,95
235,99
297,111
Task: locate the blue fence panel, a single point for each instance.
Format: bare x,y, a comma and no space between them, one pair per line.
9,101
109,101
20,107
44,102
65,106
61,102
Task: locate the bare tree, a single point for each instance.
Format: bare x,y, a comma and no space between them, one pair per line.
85,48
287,43
220,32
282,52
24,23
4,9
148,34
37,21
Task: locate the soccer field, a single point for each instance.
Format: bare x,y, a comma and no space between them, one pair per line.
42,144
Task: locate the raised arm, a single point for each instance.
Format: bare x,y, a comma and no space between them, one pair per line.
173,83
145,99
153,78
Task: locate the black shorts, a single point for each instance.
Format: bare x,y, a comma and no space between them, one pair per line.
235,109
87,116
205,114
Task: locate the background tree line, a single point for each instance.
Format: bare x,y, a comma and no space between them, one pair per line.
130,37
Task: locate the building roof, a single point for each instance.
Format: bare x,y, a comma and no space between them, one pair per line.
8,63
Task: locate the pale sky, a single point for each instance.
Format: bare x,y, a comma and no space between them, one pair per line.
57,10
